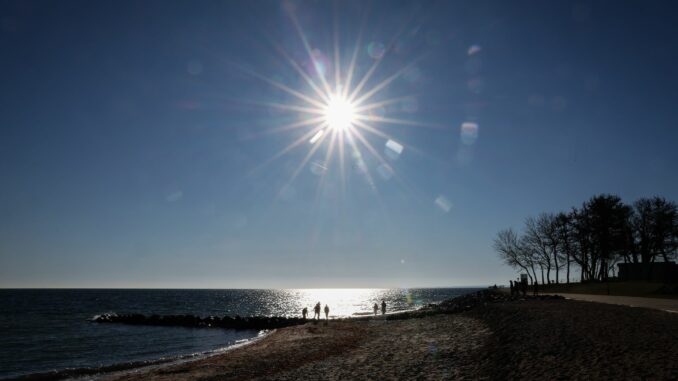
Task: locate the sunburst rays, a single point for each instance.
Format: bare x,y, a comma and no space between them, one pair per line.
334,111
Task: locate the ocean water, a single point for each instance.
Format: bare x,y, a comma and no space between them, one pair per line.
50,330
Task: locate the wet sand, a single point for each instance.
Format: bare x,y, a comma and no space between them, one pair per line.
528,339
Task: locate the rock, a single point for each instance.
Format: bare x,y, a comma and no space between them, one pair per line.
254,322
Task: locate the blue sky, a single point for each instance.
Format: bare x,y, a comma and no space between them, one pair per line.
135,138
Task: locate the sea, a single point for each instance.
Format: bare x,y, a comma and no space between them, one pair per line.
51,330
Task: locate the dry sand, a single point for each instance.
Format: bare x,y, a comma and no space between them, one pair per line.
533,339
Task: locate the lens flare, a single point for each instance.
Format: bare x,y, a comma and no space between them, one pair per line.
469,133
443,203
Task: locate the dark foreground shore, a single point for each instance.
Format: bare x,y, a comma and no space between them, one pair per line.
526,339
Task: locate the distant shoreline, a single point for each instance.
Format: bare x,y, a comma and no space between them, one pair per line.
240,288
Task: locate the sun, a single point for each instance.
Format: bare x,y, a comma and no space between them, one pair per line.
339,113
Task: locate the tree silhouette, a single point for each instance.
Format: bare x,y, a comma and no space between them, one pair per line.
541,238
566,239
514,253
594,237
655,224
605,221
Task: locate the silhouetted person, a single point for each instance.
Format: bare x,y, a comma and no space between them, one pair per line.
376,308
513,291
383,307
536,288
327,312
304,312
316,311
523,286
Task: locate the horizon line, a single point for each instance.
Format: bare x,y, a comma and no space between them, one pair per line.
237,288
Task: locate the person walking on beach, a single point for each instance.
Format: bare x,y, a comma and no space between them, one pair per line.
316,311
376,308
304,312
327,312
383,307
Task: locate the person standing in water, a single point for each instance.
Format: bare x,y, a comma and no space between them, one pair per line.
383,307
327,311
376,308
304,312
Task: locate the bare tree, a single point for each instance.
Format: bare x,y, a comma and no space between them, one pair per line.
566,239
539,234
548,227
511,249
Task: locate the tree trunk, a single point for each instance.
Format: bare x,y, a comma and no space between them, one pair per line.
534,272
542,274
568,268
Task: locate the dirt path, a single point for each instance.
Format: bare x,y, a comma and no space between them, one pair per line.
670,305
576,340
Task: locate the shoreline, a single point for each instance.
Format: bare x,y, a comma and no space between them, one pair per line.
64,341
496,337
185,359
130,368
121,369
138,367
487,334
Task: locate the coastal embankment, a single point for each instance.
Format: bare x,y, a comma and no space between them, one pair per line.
486,335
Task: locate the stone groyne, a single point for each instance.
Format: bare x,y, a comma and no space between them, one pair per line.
239,323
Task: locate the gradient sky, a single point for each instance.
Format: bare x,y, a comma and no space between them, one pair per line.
135,146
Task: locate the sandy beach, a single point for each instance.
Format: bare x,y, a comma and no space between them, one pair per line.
528,339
